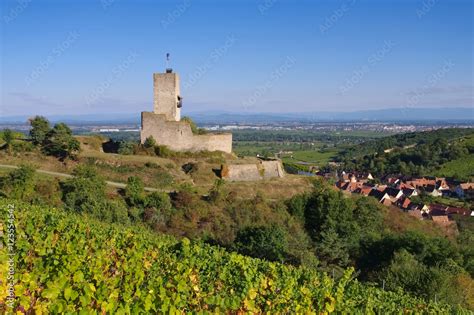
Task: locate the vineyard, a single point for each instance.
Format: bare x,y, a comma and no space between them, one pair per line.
68,263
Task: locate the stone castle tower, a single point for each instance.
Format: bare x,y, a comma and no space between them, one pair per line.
166,96
164,123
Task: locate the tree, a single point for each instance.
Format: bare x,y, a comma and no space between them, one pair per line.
296,206
332,249
118,210
134,191
150,142
157,209
39,129
19,183
85,192
159,200
126,148
405,272
8,137
267,242
60,142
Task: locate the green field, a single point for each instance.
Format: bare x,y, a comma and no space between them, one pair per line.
318,157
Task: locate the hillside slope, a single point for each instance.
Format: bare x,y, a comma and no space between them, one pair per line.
445,152
71,263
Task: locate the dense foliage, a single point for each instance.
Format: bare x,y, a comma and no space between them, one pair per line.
413,153
57,141
68,263
405,139
322,229
39,129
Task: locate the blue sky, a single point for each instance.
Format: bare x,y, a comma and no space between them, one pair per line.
82,57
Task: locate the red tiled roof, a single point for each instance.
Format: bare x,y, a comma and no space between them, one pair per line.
406,203
465,186
365,190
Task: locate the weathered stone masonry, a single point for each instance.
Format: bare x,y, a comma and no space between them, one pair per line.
252,172
177,135
165,124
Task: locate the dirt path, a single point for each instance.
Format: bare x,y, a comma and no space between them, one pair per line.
64,175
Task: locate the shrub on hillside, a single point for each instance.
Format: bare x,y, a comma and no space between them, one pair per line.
19,183
218,191
158,200
47,192
118,210
22,146
267,242
134,192
183,199
126,148
39,129
60,142
8,136
85,192
150,142
163,151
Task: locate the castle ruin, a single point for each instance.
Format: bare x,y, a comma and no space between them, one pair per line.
164,123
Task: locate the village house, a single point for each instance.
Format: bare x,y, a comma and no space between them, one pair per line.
398,190
355,177
381,197
404,203
364,191
394,193
431,190
465,190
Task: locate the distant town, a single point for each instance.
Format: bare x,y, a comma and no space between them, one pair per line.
385,127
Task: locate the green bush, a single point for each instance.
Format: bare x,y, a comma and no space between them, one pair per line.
126,148
158,200
22,146
60,142
150,142
163,179
19,183
85,192
163,151
39,129
8,136
134,192
268,242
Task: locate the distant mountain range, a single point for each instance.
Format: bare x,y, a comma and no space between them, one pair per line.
382,115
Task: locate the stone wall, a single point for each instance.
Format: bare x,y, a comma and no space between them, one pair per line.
241,172
252,172
272,169
177,135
